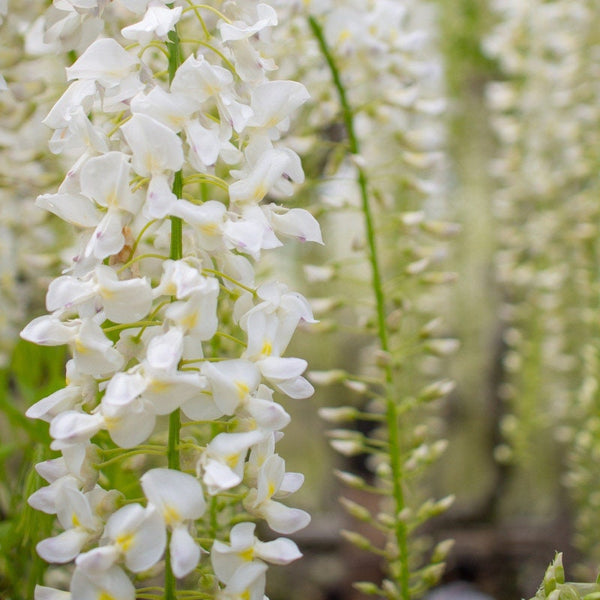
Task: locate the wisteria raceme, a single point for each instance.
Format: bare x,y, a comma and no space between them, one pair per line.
373,143
178,133
546,171
30,242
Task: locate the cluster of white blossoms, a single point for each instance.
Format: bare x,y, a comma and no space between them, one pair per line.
29,242
160,308
375,137
390,66
546,204
545,201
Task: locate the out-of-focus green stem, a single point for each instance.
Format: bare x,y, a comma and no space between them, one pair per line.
176,253
400,530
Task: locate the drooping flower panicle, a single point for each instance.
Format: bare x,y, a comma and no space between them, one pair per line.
160,307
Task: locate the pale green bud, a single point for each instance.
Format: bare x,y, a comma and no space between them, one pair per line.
350,479
442,346
368,588
442,229
410,219
436,390
417,267
358,540
390,589
431,327
356,386
432,574
356,510
338,415
441,551
439,277
347,447
326,377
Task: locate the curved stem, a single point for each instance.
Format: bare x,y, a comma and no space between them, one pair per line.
400,530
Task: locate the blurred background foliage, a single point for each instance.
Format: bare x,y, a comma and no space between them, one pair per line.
522,422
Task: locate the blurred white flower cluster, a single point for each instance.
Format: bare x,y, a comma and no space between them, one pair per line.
544,113
176,134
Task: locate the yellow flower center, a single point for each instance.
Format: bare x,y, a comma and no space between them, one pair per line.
124,541
171,515
242,389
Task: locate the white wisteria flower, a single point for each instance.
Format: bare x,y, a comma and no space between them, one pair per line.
179,499
245,547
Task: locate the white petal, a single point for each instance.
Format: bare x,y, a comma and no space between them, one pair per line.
296,222
112,583
296,388
124,301
52,469
273,101
74,427
148,544
178,496
64,547
45,593
291,483
98,559
67,291
47,330
93,351
204,142
284,519
185,553
156,148
232,32
108,238
104,61
159,198
231,382
218,477
44,500
268,414
164,351
132,427
248,581
72,208
157,21
123,388
50,406
278,552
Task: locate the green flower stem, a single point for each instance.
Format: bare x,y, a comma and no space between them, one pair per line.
400,531
176,253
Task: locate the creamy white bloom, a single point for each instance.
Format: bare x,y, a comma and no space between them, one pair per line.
105,62
247,583
222,463
157,22
259,502
179,499
111,583
133,533
157,153
245,547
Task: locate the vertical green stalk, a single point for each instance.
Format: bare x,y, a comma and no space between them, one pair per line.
176,253
400,530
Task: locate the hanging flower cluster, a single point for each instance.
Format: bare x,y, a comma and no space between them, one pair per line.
29,241
546,207
179,134
377,105
547,213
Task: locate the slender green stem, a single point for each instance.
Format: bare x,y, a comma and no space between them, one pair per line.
124,326
176,253
400,531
